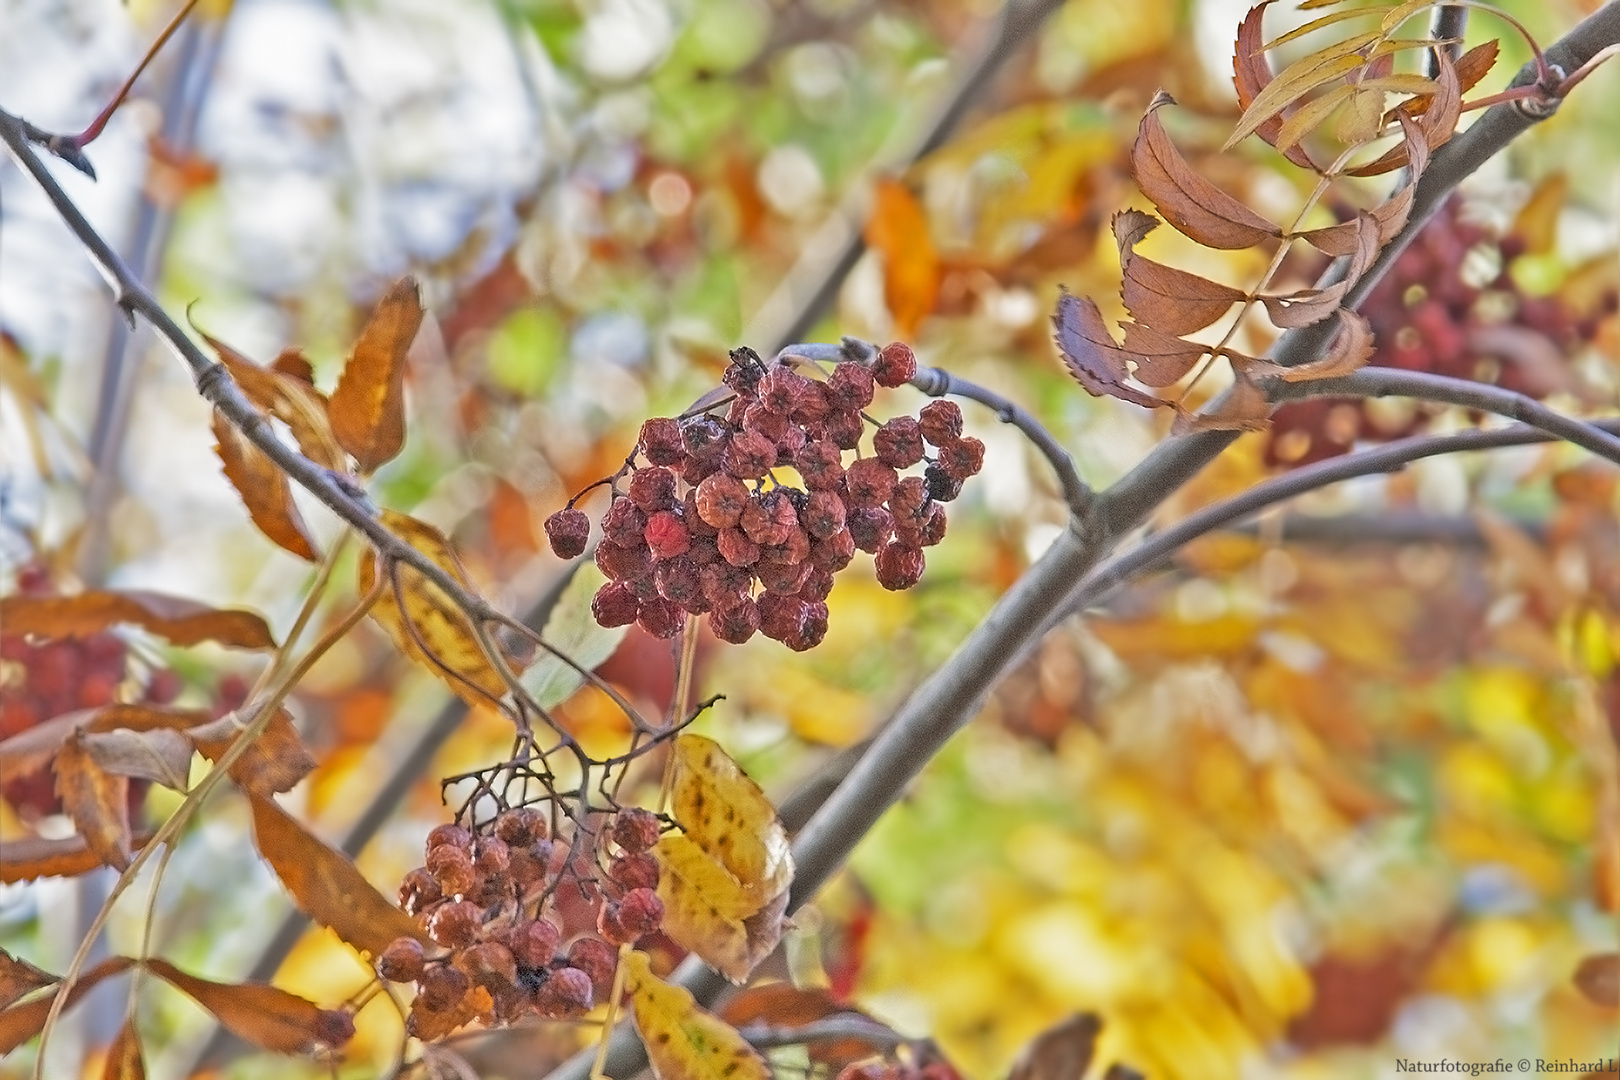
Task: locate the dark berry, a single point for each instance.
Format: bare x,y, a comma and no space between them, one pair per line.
661,441
417,890
624,562
522,826
678,581
749,455
534,943
488,964
781,617
641,912
636,871
816,586
812,631
899,566
653,489
735,623
568,531
660,618
703,437
942,486
456,924
615,605
823,514
624,522
870,528
940,422
782,577
401,962
441,987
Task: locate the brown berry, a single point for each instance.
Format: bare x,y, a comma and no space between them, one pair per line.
899,566
660,617
678,581
660,440
568,531
940,422
641,912
869,483
402,961
653,489
442,986
610,928
780,617
488,964
624,562
820,463
735,623
452,868
624,522
768,519
522,826
896,365
451,835
749,455
635,830
635,871
493,857
942,486
418,889
566,993
456,924
834,553
598,960
850,387
843,429
615,605
768,422
736,548
721,499
871,528
534,943
899,442
962,458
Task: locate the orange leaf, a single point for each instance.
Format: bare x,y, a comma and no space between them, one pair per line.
1060,1052
1436,115
898,229
97,801
28,751
19,977
1169,300
1244,407
684,1042
1300,78
286,390
276,761
124,1061
263,1015
368,407
426,624
1391,216
263,488
324,884
183,622
1310,306
22,1022
32,857
429,1025
784,1005
1351,347
1090,353
1161,359
1598,978
1192,204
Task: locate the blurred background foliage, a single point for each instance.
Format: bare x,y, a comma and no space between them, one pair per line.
1334,790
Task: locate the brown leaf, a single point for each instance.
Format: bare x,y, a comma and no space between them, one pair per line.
898,228
1391,216
684,1042
263,1015
97,801
1169,300
31,857
1310,306
368,407
1251,72
1062,1052
1242,408
431,1025
183,622
124,1061
1598,978
1192,204
286,390
160,755
22,1022
1352,346
294,363
1300,78
1436,114
784,1005
1161,359
28,751
264,489
19,977
276,761
1090,353
324,884
426,624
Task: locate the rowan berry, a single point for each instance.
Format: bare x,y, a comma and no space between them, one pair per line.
833,553
678,581
488,964
782,390
735,623
821,464
522,826
736,548
659,617
641,912
635,830
899,442
870,527
868,483
768,519
781,617
449,834
768,422
402,961
610,928
703,437
816,586
812,631
899,566
456,924
534,943
452,868
615,605
568,531
843,429
624,522
417,890
749,455
598,960
850,387
493,857
782,577
635,871
624,562
942,486
441,987
823,514
661,441
666,535
720,500
896,365
565,994
721,580
940,422
812,405
962,458
652,489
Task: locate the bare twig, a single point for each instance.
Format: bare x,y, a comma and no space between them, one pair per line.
843,1026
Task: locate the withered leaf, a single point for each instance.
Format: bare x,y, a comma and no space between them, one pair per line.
1391,216
1242,408
898,228
1167,299
1436,119
1310,306
1161,359
1251,72
124,1060
1351,347
1092,356
23,1021
324,884
264,489
1062,1052
184,622
29,750
274,763
430,1025
267,1017
97,801
424,622
1191,203
1598,978
160,755
286,390
19,977
368,407
1299,79
785,1005
684,1042
293,363
31,857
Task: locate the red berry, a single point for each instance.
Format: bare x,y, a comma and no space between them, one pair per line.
522,826
660,440
963,458
598,960
768,519
782,390
622,562
641,912
666,535
489,964
417,890
164,686
534,943
812,631
899,566
441,987
870,527
820,463
492,857
653,489
660,618
940,422
869,483
735,623
635,830
624,522
612,930
850,387
782,577
456,924
678,581
568,531
452,868
833,553
749,455
721,499
781,617
896,365
899,442
736,548
449,834
843,429
614,605
636,871
768,422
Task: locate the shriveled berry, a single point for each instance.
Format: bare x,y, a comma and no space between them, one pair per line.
812,405
624,562
624,522
635,830
703,437
610,928
441,987
736,548
940,422
696,527
451,834
816,586
843,429
782,389
659,617
488,964
868,483
908,498
899,442
768,422
598,960
821,464
823,514
870,528
615,605
933,526
522,826
768,518
566,993
749,455
534,943
721,499
782,577
850,387
896,365
833,553
791,442
568,531
899,566
735,623
745,371
641,912
492,857
678,581
666,535
456,924
417,890
452,868
721,580
942,486
962,458
781,617
812,631
635,871
652,489
402,961
661,441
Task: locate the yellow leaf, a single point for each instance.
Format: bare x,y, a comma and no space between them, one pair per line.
683,1041
729,817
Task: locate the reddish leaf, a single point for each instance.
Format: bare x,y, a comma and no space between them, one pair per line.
286,391
1598,978
1310,306
124,1061
1351,347
1063,1052
31,857
263,488
19,977
97,801
276,761
295,364
1167,299
1391,216
1243,408
368,407
1251,72
184,622
1192,204
1161,359
898,229
324,884
1090,353
160,755
22,1022
269,1018
784,1005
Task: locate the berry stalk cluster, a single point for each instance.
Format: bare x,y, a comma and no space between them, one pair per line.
710,522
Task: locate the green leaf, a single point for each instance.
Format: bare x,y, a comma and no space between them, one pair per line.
571,629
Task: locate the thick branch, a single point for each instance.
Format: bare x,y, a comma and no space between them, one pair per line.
850,1026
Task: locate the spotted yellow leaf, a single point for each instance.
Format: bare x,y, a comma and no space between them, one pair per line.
683,1041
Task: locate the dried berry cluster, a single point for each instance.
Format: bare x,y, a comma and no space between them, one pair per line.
524,915
1430,314
707,526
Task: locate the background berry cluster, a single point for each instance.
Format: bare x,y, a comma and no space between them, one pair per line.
527,916
709,523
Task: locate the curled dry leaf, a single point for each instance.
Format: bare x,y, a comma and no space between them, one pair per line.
264,489
1062,1052
898,228
286,390
1169,300
1090,353
96,800
324,884
161,755
424,622
23,1021
1436,119
1242,408
1598,978
428,1024
262,1015
19,977
1189,202
1251,72
1299,79
1310,306
725,878
276,761
1161,359
783,1005
684,1042
31,857
183,622
124,1060
368,407
1351,347
1344,239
